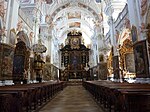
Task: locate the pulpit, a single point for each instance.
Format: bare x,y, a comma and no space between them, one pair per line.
38,66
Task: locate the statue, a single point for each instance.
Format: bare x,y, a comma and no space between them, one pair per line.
19,26
31,35
127,23
143,30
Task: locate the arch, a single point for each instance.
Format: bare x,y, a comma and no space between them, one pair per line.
63,30
75,9
80,6
75,20
22,36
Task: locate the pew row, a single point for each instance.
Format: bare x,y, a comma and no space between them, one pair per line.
28,97
120,97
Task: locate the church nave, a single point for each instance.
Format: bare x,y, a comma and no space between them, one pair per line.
72,99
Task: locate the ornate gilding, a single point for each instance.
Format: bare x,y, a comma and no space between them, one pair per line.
6,61
125,48
74,57
75,43
109,63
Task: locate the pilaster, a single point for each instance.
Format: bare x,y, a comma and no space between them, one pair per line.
109,12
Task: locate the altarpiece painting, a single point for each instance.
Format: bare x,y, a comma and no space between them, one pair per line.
141,59
6,61
129,61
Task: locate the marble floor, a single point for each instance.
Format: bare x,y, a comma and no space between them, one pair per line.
72,99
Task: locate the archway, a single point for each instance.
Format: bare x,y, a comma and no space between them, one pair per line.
22,36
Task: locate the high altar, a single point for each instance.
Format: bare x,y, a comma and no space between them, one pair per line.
74,58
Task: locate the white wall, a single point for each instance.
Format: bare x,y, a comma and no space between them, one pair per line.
12,16
14,12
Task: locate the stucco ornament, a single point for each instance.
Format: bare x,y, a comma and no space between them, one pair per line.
143,7
127,23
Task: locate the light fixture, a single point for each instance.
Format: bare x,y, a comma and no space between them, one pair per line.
86,67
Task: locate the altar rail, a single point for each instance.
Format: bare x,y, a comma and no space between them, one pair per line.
74,82
27,97
120,97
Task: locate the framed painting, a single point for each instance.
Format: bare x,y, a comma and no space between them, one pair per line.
74,24
6,61
102,71
141,59
72,15
129,62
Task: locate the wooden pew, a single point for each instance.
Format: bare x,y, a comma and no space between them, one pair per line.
10,101
134,100
25,95
30,95
116,96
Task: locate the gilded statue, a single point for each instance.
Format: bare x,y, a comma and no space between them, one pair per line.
127,23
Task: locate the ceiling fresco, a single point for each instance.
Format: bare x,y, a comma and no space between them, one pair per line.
63,16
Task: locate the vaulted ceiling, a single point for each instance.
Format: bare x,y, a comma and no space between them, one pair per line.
67,15
62,16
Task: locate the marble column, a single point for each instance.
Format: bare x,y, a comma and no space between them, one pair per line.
109,10
136,19
134,14
9,17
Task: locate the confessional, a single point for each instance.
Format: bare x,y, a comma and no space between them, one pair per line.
20,63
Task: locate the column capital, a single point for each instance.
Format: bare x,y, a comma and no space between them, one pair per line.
109,9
